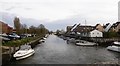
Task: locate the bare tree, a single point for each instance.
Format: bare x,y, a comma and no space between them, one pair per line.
17,25
24,28
32,29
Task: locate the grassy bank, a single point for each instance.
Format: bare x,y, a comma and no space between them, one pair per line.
19,42
14,45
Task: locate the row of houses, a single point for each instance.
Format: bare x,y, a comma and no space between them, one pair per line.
5,28
93,31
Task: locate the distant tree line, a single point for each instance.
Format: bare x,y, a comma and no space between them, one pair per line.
23,28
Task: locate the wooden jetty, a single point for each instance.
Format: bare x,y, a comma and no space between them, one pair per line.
101,41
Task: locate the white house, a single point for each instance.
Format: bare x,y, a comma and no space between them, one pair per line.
96,33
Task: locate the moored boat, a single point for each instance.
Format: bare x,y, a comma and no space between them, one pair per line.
44,38
40,41
84,43
114,47
23,53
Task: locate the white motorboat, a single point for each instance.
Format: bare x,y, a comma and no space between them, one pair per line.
21,54
114,47
84,43
117,43
44,38
46,35
41,40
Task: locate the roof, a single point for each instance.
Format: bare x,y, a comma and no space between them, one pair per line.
115,24
106,25
96,25
95,30
69,28
82,28
4,24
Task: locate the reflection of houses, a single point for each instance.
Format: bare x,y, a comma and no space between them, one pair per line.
5,28
115,27
95,33
99,27
107,27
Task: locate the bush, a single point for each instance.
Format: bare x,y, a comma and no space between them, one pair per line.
110,34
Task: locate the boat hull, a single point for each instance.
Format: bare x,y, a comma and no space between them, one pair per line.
114,48
23,57
18,57
41,41
82,44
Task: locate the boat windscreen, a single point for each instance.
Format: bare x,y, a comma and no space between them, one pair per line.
24,47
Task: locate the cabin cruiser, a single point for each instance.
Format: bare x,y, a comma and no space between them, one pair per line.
84,43
24,53
114,47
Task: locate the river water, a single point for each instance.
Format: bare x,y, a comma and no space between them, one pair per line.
56,51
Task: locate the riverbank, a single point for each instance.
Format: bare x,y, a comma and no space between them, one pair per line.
101,41
56,51
7,52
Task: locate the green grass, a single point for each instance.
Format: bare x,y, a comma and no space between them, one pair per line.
19,42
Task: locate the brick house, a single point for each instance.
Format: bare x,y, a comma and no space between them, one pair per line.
99,27
115,27
5,28
107,27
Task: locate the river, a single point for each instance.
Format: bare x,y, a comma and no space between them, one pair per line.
56,51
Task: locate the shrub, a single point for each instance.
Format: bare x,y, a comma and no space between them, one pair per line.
110,34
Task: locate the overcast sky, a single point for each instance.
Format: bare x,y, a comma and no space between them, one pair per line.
49,11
